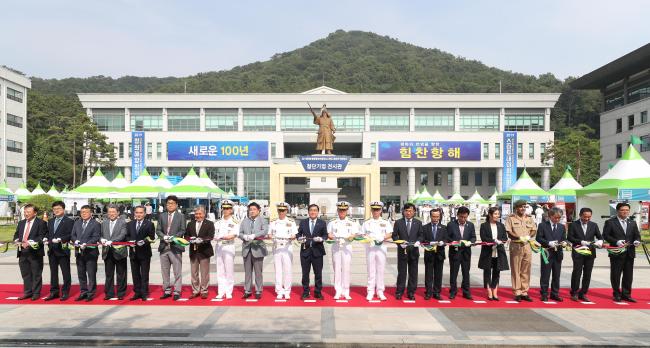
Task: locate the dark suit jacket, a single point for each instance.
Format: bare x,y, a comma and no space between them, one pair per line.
91,235
206,233
441,235
147,229
399,232
320,230
37,232
453,234
545,235
576,235
64,231
177,229
485,259
613,232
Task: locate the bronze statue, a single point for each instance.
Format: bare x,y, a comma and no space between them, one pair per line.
326,130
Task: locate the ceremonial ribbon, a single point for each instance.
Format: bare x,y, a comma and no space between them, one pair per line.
535,247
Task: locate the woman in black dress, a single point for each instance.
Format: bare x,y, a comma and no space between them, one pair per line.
493,258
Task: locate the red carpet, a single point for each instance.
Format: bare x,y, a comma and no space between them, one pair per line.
601,299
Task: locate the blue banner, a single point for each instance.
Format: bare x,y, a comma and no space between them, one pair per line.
634,194
218,150
429,150
509,160
137,154
324,163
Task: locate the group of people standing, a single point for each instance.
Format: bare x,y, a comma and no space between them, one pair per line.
121,241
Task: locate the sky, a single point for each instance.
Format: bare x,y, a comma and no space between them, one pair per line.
80,38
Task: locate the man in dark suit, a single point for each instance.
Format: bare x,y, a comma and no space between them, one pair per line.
621,232
85,231
435,234
550,235
312,232
29,237
138,231
114,256
460,257
585,233
408,229
171,224
59,232
200,233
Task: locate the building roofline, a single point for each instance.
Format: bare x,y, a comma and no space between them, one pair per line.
15,77
616,70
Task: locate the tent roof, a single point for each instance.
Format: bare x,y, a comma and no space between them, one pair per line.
566,186
191,185
119,181
456,198
630,172
209,183
143,186
96,184
163,182
476,198
524,186
38,190
22,192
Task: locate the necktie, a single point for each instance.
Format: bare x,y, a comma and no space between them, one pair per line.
56,223
110,231
170,217
252,225
83,226
434,229
26,232
311,227
137,227
554,229
624,224
408,226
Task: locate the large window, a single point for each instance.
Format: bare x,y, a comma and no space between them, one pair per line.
14,95
424,178
256,184
221,119
520,151
619,150
613,100
619,125
630,122
14,146
14,172
645,146
259,119
524,120
120,150
149,151
154,171
464,177
434,119
478,178
109,120
183,120
542,151
486,150
178,171
159,147
348,120
492,178
224,177
297,120
638,92
397,178
479,119
437,178
146,120
644,116
531,150
497,150
389,119
14,120
383,178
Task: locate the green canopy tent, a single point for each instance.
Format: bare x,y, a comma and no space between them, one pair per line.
191,187
38,190
142,187
493,199
119,182
163,183
217,192
96,187
565,189
424,197
22,193
53,192
456,198
438,198
476,199
525,188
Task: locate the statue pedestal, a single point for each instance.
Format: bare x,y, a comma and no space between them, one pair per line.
324,192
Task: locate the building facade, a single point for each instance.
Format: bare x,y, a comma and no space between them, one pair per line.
369,125
13,127
625,86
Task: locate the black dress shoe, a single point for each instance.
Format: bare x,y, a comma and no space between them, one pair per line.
617,298
106,298
246,295
318,295
574,298
80,298
427,296
584,298
437,296
258,295
556,298
177,297
305,295
164,296
64,297
135,297
526,298
144,298
34,298
51,297
452,296
518,298
495,299
544,298
120,298
24,297
628,299
411,297
468,296
398,297
89,298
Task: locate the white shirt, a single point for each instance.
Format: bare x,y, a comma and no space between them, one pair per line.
342,228
283,228
226,227
376,228
495,235
198,226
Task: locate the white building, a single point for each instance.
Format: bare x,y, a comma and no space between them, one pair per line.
365,123
625,87
13,126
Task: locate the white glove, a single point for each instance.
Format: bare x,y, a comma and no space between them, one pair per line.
467,243
17,241
76,243
552,244
167,238
404,245
524,238
198,240
103,241
498,242
599,243
441,243
140,243
249,237
620,243
108,243
417,244
44,240
56,240
83,246
584,243
318,239
637,243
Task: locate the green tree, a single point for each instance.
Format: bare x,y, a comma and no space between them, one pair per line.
576,149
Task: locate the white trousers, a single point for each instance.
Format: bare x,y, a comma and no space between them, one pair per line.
282,260
341,258
225,259
376,261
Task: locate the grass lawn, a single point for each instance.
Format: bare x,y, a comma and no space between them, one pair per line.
7,233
